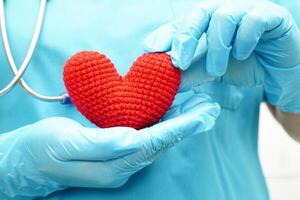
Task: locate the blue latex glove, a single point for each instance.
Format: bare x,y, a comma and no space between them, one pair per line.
57,153
257,34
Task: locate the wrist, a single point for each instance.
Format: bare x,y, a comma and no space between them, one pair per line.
21,180
282,88
7,183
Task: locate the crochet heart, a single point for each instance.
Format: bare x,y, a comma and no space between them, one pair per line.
137,100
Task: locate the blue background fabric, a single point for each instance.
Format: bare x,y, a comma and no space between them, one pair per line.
220,164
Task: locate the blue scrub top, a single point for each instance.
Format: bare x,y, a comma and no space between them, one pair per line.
220,164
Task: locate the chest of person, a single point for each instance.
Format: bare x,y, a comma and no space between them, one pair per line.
115,28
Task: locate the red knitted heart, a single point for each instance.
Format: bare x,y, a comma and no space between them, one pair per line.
107,99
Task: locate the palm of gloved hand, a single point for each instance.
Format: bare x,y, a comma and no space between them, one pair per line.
57,153
259,31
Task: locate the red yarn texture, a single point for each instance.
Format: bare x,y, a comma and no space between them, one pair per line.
107,99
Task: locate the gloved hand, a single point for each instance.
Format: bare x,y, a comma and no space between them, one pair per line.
57,153
257,34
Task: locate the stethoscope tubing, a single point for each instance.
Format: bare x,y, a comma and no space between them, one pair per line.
19,73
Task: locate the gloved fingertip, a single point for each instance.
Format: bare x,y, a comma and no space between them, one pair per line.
160,40
209,124
177,63
184,66
183,49
194,102
212,112
240,55
154,47
213,109
203,117
180,60
214,70
216,111
215,67
202,97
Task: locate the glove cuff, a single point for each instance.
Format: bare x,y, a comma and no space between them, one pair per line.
282,88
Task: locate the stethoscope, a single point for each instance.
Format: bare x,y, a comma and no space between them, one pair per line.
18,73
